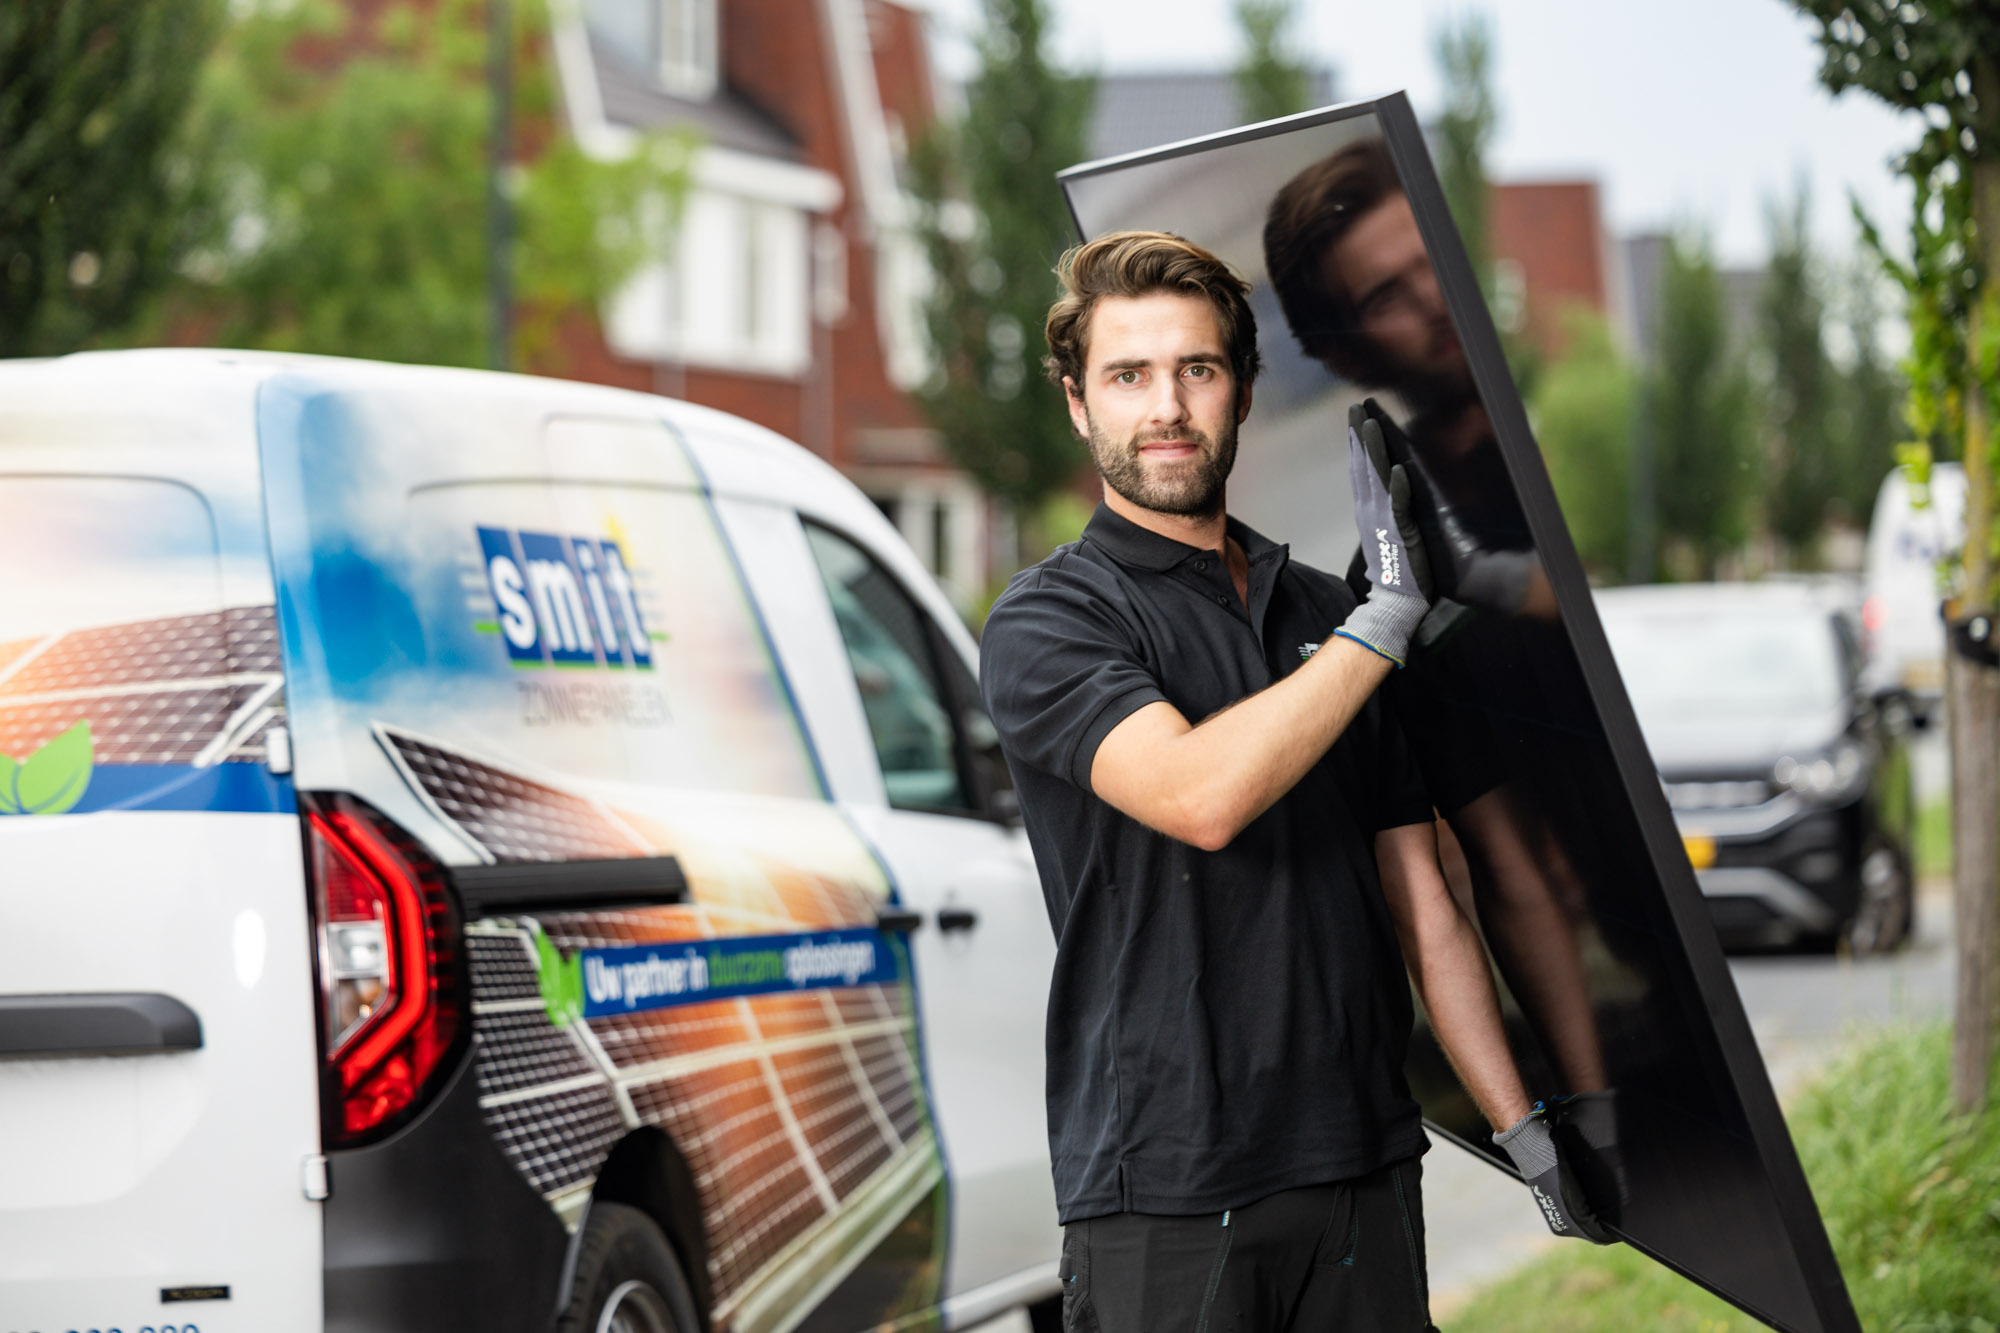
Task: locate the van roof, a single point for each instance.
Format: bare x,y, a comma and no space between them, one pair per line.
737,457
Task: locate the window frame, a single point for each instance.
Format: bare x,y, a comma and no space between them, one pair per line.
989,805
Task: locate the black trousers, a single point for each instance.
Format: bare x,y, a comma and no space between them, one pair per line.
1324,1259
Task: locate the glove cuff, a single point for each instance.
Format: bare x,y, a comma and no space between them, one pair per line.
1530,1145
1384,623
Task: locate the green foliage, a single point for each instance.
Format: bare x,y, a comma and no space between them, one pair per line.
98,201
1697,402
358,188
1269,83
1583,407
992,267
52,779
1801,460
1908,1195
1940,58
1464,131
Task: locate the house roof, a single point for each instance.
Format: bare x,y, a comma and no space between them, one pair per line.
725,119
1135,111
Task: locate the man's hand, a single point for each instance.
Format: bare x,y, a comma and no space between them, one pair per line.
1509,582
1399,573
1542,1165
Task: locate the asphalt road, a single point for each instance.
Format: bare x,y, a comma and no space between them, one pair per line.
1804,1011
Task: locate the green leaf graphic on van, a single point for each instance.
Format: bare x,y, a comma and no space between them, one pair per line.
560,980
52,779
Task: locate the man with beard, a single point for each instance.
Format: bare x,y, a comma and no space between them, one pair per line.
1236,854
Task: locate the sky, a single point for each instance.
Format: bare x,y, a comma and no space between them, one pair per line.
1701,112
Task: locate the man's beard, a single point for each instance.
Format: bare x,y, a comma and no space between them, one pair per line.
1187,488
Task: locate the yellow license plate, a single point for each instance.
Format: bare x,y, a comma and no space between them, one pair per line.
1700,849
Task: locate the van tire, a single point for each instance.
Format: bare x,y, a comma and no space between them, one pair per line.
627,1278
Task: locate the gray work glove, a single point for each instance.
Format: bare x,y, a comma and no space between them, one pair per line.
1564,1207
1467,572
1586,1125
1399,575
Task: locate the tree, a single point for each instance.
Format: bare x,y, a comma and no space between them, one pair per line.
98,203
1941,59
993,224
1583,421
1464,132
1269,83
1800,458
354,156
1868,393
1697,407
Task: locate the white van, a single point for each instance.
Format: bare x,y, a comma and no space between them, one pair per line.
1902,630
481,852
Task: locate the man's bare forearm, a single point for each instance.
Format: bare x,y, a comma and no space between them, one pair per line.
1204,783
1448,966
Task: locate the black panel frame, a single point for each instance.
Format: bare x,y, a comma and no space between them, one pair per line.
1706,985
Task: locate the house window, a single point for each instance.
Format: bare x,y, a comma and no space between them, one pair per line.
687,47
734,295
673,39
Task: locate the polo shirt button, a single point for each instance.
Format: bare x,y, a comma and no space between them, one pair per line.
1201,566
1221,599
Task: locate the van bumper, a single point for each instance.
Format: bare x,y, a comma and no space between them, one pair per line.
432,1230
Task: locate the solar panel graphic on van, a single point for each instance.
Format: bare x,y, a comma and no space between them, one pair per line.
162,699
800,1114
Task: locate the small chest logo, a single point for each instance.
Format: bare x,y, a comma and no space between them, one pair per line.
1391,556
564,600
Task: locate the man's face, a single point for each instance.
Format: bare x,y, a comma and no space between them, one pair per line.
1382,264
1158,402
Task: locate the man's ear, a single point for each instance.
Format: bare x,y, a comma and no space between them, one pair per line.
1079,417
1242,404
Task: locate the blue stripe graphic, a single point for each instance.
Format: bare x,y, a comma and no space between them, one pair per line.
676,972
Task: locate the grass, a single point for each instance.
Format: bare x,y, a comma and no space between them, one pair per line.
1911,1200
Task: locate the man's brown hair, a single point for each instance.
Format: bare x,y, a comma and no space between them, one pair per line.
1139,263
1314,210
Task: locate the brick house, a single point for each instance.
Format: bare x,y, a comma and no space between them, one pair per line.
794,295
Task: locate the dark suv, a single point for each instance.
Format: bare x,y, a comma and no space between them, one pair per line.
1789,781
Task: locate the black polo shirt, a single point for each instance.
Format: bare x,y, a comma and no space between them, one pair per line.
1222,1025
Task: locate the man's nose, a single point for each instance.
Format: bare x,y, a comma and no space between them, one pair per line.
1167,404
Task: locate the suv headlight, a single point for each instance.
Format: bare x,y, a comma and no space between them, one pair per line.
1828,778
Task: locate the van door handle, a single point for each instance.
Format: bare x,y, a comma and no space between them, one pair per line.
138,1023
900,920
956,918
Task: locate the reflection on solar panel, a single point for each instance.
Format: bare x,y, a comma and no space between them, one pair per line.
198,689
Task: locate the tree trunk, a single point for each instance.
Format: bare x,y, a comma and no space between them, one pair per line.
1974,702
1975,696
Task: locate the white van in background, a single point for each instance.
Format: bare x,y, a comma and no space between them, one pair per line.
1902,630
485,853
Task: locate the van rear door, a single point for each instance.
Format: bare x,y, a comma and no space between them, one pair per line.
157,1080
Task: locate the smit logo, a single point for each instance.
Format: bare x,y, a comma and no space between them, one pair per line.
564,600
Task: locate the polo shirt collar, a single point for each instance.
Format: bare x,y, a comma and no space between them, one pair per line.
1142,548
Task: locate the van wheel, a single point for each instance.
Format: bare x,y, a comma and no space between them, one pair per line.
627,1279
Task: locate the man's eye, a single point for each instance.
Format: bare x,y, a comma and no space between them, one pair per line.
1126,377
1200,372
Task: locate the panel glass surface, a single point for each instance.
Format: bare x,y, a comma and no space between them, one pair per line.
1553,828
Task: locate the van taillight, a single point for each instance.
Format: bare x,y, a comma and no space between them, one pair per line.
390,984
